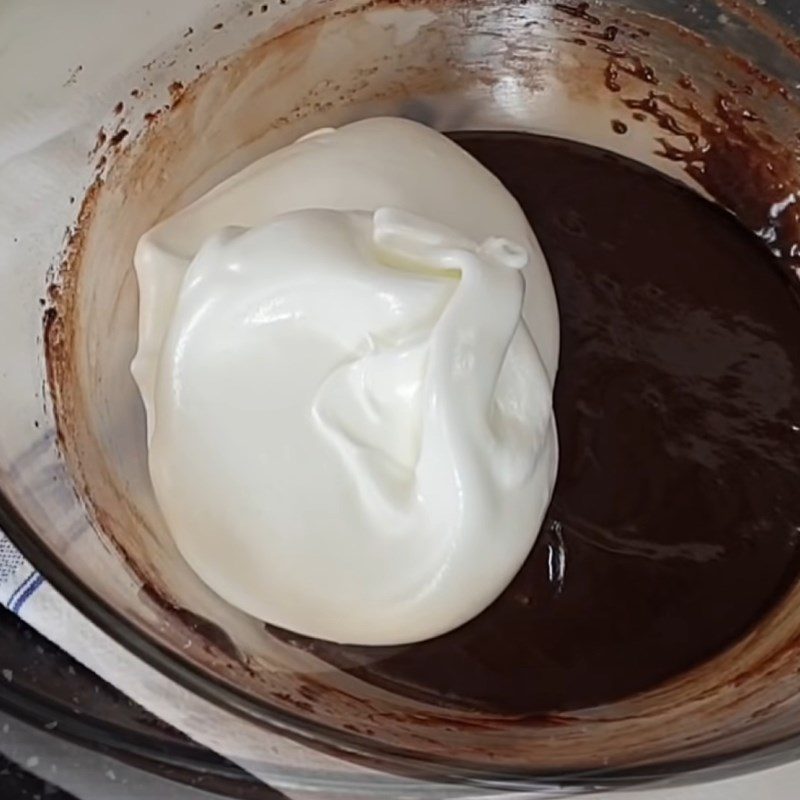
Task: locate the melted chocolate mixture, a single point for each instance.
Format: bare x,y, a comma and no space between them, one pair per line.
676,517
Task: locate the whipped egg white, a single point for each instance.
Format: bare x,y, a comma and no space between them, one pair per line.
350,425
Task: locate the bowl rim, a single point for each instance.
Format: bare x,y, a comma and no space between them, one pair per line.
404,767
184,762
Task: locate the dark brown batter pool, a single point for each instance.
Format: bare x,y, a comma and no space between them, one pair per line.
676,517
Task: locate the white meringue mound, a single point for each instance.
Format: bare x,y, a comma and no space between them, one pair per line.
350,425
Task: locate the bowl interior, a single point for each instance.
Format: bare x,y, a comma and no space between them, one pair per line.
80,480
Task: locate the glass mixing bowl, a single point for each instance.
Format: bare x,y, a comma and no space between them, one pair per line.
233,83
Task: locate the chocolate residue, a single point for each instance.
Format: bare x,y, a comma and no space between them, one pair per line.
737,162
650,106
618,126
73,76
101,139
119,108
52,332
118,137
176,90
611,76
209,633
633,65
57,320
610,32
579,11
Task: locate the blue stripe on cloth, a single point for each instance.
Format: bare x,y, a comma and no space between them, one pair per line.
21,588
25,595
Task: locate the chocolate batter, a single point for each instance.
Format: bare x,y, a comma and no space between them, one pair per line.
675,522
